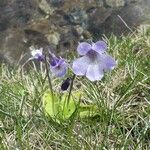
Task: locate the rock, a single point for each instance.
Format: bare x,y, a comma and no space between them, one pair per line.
115,3
16,13
122,21
46,8
60,24
13,46
53,38
56,3
97,18
77,16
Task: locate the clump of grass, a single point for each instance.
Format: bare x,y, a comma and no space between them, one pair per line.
122,98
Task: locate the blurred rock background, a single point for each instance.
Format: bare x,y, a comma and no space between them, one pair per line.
60,24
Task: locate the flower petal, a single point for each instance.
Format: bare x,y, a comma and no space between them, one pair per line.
99,46
108,62
37,54
59,71
61,62
54,61
80,65
83,48
36,51
39,57
94,72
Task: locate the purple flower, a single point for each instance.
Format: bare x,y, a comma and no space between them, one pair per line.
37,54
94,60
58,66
65,84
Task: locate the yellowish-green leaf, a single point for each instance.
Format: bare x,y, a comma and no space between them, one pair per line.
50,108
60,110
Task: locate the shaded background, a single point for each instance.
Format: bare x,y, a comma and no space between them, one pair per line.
60,24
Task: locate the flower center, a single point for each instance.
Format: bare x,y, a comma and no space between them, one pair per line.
54,61
92,55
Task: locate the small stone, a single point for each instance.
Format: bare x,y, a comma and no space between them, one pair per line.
53,38
115,3
77,16
46,8
79,30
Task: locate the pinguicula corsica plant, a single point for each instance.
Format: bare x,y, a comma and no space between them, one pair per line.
93,62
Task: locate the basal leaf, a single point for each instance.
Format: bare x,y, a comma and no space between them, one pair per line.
50,108
62,109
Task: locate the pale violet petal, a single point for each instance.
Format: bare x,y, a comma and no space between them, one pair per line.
99,46
83,48
61,62
108,62
60,70
80,65
94,72
55,62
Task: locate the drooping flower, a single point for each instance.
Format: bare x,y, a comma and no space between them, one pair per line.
58,66
37,54
65,84
94,60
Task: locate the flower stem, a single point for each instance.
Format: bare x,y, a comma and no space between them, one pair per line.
70,90
50,83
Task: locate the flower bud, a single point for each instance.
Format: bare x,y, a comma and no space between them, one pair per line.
65,84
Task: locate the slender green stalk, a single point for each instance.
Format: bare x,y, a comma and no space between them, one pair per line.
70,89
49,81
